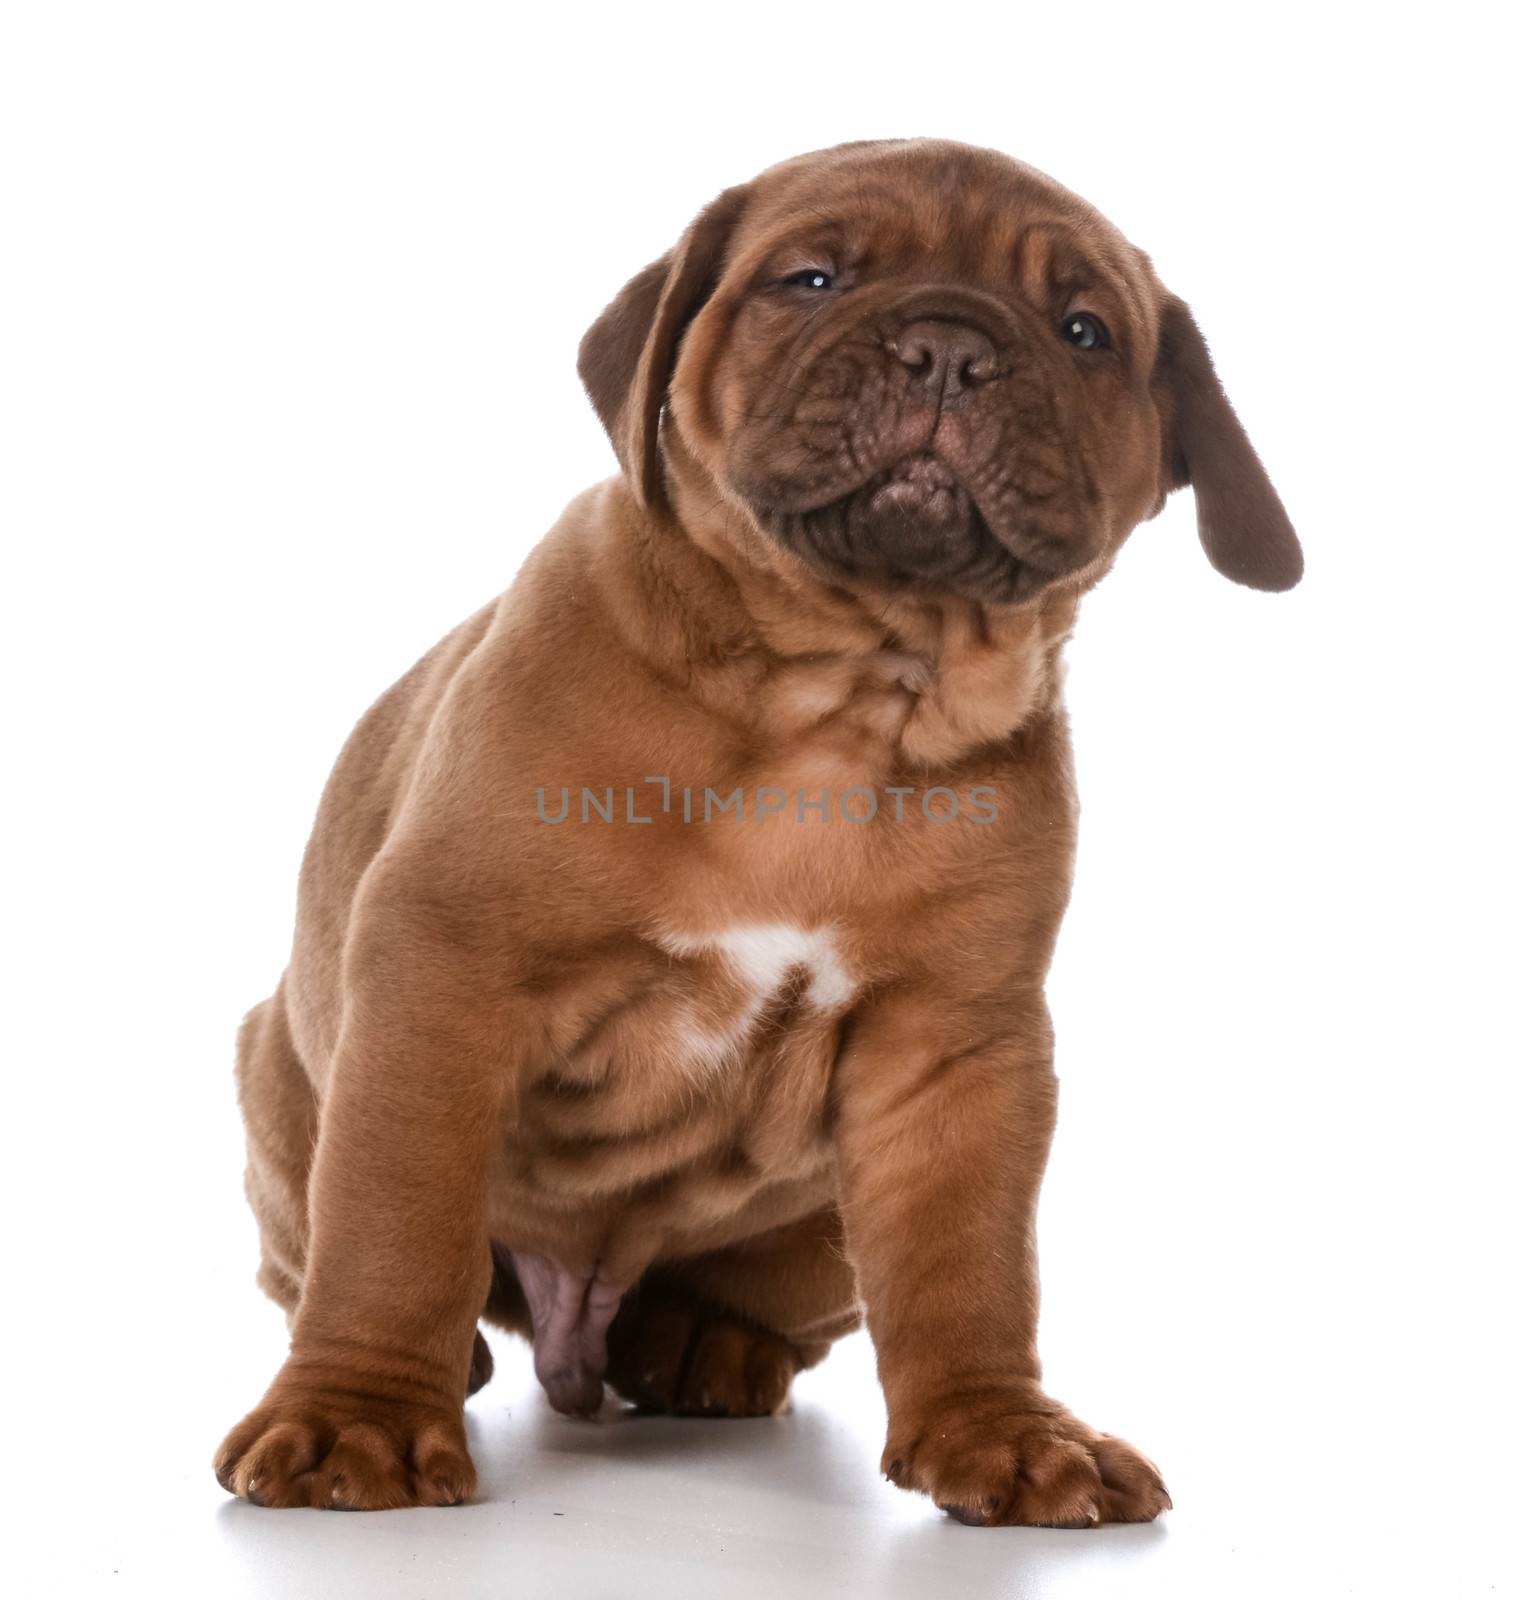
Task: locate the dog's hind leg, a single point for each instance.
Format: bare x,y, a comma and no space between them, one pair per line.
725,1333
281,1124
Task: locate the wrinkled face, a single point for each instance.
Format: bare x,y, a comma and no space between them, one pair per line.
928,367
921,367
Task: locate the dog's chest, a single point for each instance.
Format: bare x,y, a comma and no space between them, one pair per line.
745,968
728,1005
702,1081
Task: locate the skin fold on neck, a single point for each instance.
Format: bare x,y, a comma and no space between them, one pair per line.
769,645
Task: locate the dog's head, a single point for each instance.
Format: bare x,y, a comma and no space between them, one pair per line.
921,366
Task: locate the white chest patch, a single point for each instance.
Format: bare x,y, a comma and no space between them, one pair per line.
764,954
761,956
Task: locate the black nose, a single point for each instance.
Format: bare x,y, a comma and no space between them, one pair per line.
946,359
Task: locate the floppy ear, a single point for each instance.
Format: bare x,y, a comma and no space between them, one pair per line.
627,357
1242,522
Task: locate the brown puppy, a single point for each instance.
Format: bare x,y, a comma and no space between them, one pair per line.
669,968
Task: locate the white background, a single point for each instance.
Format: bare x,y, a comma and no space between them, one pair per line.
290,301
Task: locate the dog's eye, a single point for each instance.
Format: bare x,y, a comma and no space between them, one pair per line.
1085,331
812,278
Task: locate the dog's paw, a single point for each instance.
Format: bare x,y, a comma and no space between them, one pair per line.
670,1353
1003,1457
355,1456
482,1365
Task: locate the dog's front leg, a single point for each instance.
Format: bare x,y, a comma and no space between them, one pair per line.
366,1413
945,1119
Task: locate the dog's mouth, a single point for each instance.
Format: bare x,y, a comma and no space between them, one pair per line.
914,524
917,498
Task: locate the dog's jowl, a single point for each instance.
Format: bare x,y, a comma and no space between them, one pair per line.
685,1084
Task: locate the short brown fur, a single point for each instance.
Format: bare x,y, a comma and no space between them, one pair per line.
846,551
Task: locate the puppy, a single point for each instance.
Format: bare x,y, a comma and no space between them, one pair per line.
668,981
